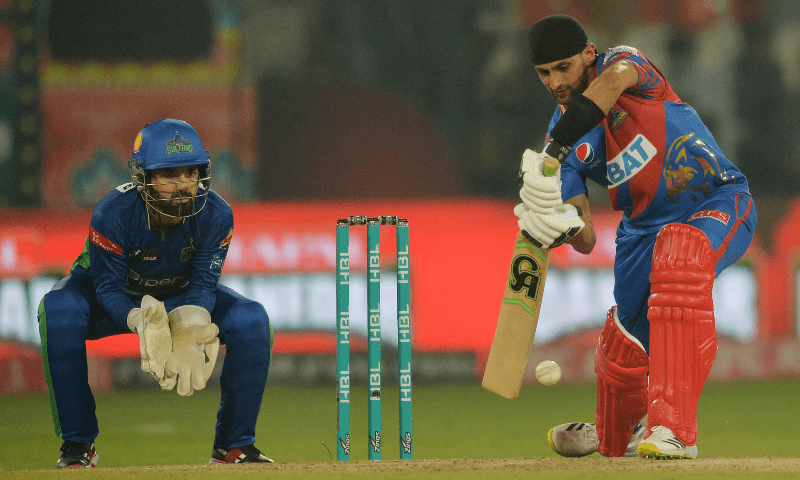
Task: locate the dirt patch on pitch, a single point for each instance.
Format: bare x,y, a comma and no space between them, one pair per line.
754,464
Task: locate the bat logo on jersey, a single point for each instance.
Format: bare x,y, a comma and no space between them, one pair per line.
679,172
525,275
630,161
179,145
585,153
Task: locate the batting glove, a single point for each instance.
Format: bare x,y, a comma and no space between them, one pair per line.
155,341
538,192
195,348
549,230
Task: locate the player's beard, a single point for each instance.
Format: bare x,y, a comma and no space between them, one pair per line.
174,208
567,94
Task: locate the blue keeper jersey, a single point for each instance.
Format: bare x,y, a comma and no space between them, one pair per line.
127,260
652,152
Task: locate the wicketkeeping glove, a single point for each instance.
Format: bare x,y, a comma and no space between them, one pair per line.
538,192
155,341
195,348
549,230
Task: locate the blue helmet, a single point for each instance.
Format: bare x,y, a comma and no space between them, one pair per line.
168,143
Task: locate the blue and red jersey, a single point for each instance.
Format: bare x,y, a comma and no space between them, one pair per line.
127,259
652,151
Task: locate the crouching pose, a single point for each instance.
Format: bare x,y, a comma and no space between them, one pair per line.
686,215
151,266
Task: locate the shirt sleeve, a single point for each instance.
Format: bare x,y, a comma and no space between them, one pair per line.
651,83
573,182
109,266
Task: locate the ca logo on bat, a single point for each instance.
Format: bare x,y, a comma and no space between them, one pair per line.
525,275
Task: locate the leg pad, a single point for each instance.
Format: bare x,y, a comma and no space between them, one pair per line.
682,332
621,365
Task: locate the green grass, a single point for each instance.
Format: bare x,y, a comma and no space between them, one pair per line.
450,421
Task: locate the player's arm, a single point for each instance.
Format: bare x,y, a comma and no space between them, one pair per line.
606,89
586,239
586,111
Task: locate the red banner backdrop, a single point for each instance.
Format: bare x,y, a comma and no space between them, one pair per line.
460,252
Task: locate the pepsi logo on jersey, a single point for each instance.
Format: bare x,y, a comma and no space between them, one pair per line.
585,153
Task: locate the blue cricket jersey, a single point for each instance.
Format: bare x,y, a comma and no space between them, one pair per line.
127,259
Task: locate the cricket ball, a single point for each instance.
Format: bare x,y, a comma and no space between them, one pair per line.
548,372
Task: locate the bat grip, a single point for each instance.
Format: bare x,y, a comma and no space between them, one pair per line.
550,167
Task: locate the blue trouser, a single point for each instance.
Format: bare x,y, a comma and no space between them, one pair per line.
727,219
69,315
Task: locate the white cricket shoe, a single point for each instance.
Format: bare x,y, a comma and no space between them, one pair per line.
662,444
580,439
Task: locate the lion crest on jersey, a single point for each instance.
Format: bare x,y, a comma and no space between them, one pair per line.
690,168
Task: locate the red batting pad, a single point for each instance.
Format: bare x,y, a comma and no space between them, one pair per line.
621,365
682,335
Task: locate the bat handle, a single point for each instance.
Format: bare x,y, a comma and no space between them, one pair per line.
550,167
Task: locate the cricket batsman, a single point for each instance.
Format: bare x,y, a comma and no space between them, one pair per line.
151,265
687,214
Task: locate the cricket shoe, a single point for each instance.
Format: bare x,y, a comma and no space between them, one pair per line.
245,454
580,439
662,444
77,455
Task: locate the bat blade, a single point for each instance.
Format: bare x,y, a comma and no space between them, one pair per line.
519,315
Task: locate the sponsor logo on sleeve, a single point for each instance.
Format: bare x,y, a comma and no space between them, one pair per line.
585,153
96,238
225,243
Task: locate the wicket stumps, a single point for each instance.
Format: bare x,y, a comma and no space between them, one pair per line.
373,334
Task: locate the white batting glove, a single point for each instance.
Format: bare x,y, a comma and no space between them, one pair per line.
549,230
195,348
155,341
538,192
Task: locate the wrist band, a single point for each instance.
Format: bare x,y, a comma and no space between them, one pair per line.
581,116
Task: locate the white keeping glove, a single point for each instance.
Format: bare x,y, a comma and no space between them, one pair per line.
538,192
155,341
549,230
195,348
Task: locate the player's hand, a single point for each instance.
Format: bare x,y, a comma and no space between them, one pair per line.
155,341
549,230
195,348
538,192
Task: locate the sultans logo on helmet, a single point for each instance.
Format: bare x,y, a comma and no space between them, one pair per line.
585,152
137,144
179,145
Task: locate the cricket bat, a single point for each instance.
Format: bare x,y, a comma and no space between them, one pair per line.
519,313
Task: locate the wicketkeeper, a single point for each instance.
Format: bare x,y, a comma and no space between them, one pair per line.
687,214
151,265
